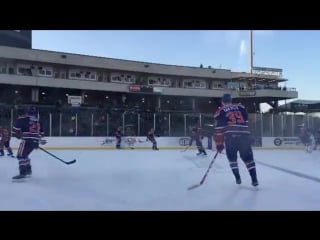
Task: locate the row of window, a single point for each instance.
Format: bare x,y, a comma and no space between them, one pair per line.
158,81
28,70
115,77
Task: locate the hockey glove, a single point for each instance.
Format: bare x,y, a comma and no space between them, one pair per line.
42,142
17,134
35,144
219,140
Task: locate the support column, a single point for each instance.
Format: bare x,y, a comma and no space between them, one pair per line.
159,103
35,94
193,105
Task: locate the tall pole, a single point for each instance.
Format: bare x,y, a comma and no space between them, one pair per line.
251,71
251,51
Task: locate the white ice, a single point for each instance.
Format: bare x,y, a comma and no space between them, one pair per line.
158,180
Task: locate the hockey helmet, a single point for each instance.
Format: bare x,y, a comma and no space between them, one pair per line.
226,98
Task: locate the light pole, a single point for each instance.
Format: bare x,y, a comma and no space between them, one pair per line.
251,51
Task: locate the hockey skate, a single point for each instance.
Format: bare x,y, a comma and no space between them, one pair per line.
19,178
28,171
22,174
255,183
236,175
238,181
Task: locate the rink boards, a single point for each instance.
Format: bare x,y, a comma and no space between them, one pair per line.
166,143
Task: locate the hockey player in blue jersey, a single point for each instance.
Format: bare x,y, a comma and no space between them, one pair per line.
28,129
118,136
232,130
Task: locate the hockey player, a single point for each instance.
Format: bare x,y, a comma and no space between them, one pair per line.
232,129
317,139
196,135
5,142
118,135
307,139
1,144
28,129
152,139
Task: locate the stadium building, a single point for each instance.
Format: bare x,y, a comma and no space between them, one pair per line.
46,77
93,90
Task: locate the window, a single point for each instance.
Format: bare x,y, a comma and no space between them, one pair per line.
152,82
122,78
189,83
3,69
233,85
21,70
159,81
48,73
197,84
216,85
82,75
26,71
45,71
115,79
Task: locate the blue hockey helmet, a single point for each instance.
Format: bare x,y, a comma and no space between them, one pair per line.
226,98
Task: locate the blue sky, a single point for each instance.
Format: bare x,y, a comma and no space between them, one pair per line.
296,52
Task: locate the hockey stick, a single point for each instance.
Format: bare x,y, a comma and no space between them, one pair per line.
186,148
71,162
205,175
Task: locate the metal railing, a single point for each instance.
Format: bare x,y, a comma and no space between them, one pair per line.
91,122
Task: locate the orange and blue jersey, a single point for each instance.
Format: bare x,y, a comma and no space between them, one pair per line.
231,119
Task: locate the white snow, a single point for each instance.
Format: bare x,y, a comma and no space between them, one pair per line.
158,180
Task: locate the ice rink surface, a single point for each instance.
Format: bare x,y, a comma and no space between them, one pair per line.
158,180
